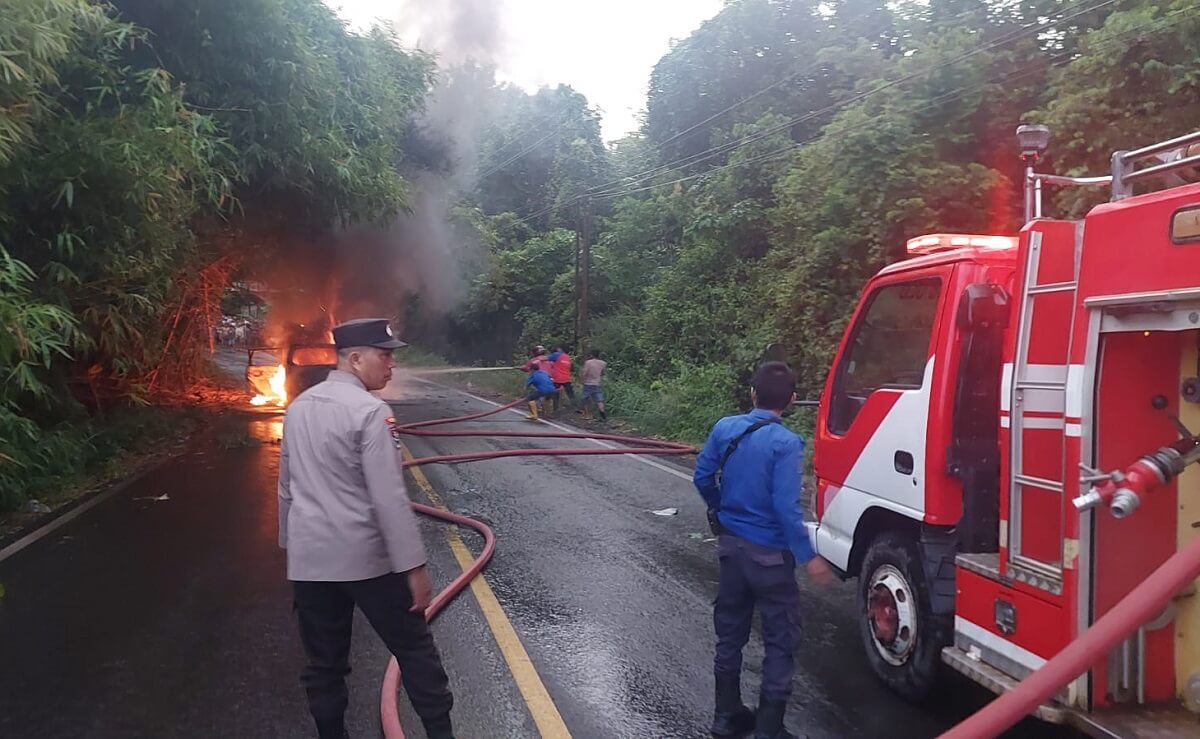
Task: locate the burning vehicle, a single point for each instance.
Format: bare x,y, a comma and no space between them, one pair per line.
274,382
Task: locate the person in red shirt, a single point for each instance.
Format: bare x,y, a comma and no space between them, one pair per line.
537,360
560,373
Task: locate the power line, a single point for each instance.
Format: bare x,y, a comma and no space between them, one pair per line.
556,129
893,15
599,193
1062,57
833,26
492,170
717,150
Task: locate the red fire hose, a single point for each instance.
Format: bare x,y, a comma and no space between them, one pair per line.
389,710
1140,605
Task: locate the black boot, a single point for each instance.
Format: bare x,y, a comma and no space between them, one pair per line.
332,728
731,718
769,721
439,728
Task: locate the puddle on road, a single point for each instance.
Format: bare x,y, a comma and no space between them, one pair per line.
267,430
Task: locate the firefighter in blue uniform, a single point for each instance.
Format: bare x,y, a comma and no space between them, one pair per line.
749,474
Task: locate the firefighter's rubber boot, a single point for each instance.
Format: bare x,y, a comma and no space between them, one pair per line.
769,721
731,717
533,411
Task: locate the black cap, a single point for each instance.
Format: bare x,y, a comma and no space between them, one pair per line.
376,332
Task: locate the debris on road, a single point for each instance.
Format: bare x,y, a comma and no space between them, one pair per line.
162,497
666,512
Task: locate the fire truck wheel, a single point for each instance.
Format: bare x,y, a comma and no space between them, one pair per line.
897,623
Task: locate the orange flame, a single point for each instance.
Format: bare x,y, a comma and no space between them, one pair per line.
278,390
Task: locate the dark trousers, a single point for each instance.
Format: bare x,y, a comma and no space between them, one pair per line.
564,386
326,613
755,576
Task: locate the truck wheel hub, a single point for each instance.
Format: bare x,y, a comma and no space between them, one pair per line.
892,614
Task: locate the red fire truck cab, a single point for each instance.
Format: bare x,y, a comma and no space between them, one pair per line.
980,388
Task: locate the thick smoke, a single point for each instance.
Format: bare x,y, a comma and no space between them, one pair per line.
457,30
414,269
469,40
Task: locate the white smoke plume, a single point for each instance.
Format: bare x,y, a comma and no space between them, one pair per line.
457,30
418,260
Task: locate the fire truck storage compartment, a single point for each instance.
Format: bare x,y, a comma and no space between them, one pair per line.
1012,630
1136,368
1187,607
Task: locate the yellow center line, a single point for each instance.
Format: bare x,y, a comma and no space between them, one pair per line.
541,707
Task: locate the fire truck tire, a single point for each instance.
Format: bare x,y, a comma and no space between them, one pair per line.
899,630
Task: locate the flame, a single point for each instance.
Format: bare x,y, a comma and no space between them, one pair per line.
278,390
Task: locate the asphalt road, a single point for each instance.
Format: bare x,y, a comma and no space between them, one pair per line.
170,617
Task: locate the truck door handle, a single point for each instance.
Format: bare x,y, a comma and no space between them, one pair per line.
903,462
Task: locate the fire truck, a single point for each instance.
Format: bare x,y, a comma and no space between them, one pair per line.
1002,448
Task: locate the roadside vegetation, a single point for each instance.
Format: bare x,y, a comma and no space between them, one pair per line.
152,154
148,151
789,150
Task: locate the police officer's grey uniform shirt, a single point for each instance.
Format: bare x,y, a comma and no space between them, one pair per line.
343,511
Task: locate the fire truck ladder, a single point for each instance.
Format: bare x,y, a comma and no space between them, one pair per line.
1038,387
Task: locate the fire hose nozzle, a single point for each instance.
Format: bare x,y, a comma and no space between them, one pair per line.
1124,502
1122,489
1089,500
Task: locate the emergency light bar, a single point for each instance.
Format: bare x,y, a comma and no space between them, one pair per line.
934,243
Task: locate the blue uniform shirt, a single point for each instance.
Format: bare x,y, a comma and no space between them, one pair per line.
759,498
541,382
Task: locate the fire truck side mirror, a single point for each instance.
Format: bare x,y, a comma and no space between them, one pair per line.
983,306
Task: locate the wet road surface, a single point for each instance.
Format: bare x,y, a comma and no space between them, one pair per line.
152,617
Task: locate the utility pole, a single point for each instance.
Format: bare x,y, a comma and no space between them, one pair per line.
583,329
578,290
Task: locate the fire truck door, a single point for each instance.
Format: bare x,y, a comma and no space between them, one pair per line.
871,436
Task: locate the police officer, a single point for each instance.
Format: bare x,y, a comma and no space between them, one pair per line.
749,475
350,535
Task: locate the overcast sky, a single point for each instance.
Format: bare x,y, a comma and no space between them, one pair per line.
605,49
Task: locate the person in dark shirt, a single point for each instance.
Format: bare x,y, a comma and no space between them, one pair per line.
749,475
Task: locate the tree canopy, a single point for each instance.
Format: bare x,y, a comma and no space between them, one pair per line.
790,147
151,149
148,148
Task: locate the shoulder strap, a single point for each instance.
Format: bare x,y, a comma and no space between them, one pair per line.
733,445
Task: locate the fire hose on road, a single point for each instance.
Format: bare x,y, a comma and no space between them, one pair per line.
389,710
1141,605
